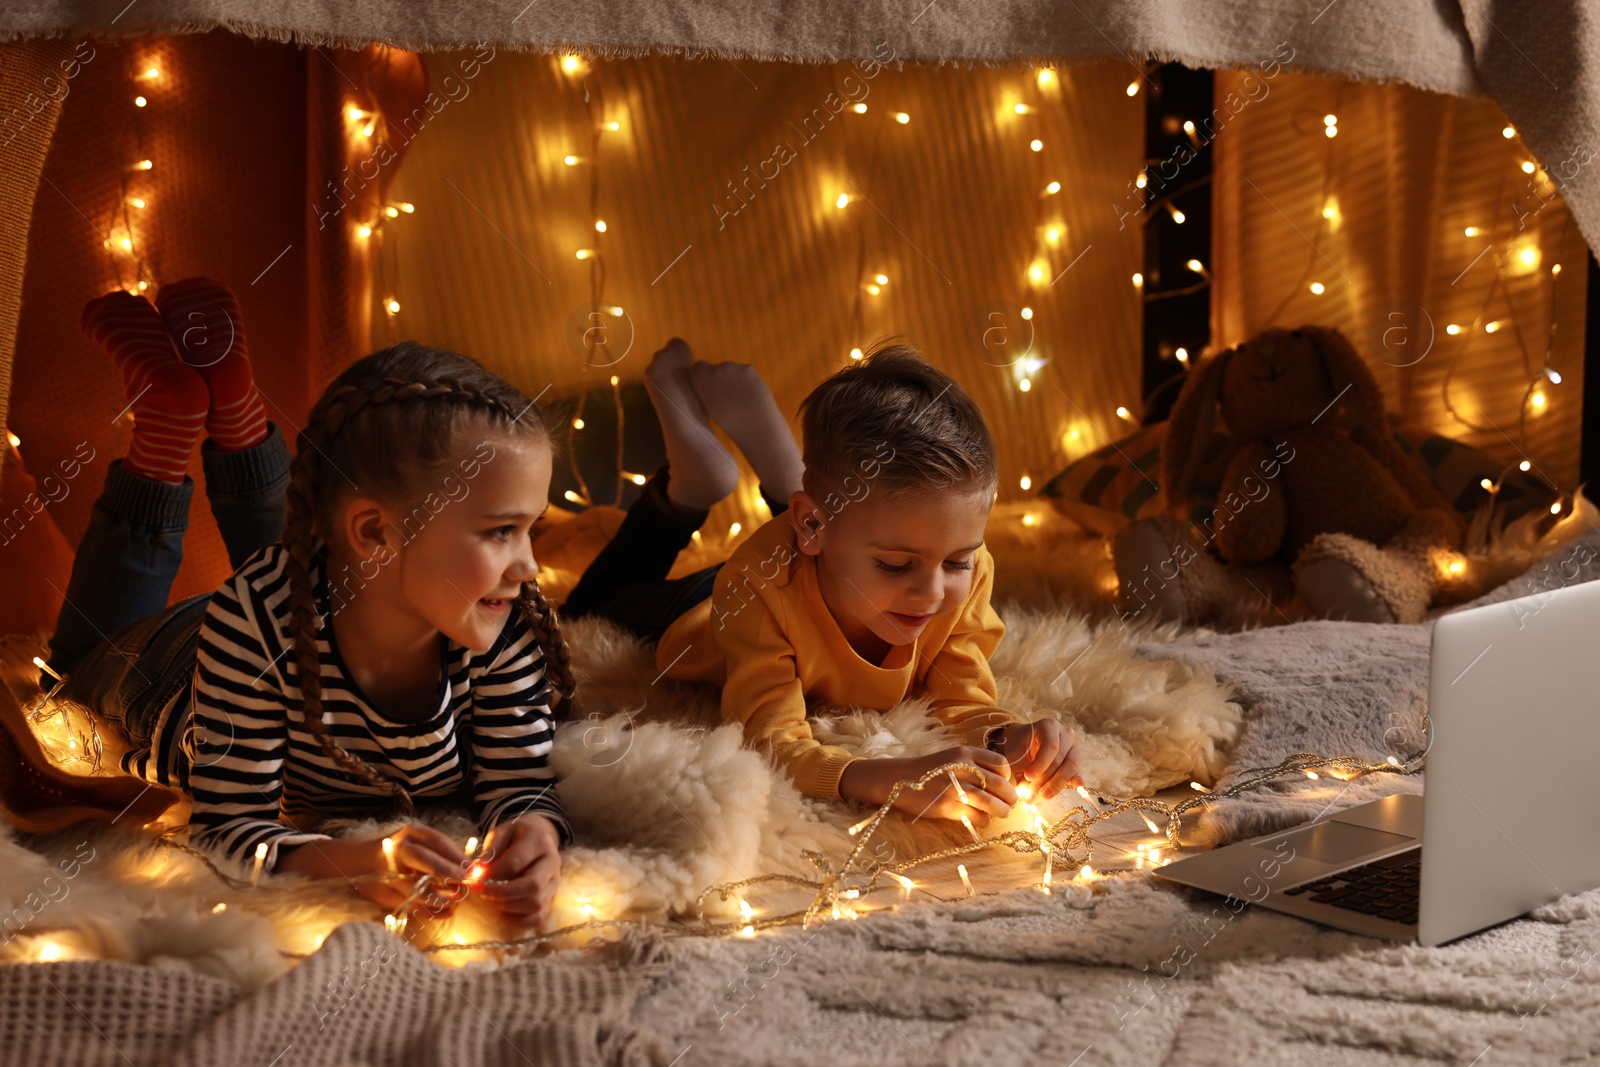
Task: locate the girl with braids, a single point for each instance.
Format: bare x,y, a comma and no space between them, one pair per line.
382,638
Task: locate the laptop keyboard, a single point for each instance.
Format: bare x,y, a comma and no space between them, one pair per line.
1387,888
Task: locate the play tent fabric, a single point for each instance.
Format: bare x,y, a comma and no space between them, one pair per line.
1540,62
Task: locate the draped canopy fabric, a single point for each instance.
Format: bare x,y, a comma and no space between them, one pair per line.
1540,62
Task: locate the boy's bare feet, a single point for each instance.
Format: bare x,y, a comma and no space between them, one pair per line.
739,401
702,470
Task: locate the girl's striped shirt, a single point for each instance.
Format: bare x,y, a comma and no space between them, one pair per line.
257,775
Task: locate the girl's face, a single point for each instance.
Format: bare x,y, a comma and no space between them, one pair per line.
455,562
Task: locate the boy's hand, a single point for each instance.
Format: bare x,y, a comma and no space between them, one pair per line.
1043,752
522,876
869,780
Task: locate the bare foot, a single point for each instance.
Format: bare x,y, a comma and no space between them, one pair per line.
702,470
739,401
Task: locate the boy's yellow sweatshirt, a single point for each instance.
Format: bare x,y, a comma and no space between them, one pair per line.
766,636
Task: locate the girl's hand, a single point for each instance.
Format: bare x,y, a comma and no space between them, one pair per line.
418,850
524,871
1043,752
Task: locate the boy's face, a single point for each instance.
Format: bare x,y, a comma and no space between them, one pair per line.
888,566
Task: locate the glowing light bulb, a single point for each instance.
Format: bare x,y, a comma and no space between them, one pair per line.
748,931
901,117
1052,189
1456,566
616,313
571,64
860,826
1317,288
1045,78
599,225
1392,761
1452,329
1555,268
392,306
1509,132
1133,88
1138,280
219,908
15,441
144,164
1311,775
613,125
881,279
136,201
1124,413
1085,871
1036,144
873,289
973,830
1331,131
407,207
363,230
49,952
572,498
577,424
1537,400
1330,211
1529,256
1492,326
1471,231
127,244
1021,109
1025,384
855,353
571,161
860,109
1182,355
1027,313
1188,126
1198,788
639,479
843,199
151,73
961,869
1196,266
1555,509
139,101
584,253
1553,375
372,124
354,114
1330,120
1053,235
1528,166
1029,519
1486,483
1177,216
143,285
1524,465
391,211
733,530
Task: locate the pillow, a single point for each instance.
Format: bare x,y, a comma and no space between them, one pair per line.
1114,485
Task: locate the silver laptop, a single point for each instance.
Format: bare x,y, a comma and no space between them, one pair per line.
1513,782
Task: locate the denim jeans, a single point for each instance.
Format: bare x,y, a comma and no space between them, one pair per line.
122,649
627,582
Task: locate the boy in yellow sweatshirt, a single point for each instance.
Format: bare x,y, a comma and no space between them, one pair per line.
869,585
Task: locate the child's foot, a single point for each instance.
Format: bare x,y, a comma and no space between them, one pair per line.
702,471
739,401
169,400
203,318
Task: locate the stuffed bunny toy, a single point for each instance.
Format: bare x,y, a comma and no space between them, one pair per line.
1319,509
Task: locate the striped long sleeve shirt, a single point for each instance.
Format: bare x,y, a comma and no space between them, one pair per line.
237,742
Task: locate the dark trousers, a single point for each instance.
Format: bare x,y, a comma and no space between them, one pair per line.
122,648
627,582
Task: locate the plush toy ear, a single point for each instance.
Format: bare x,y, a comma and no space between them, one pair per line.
1350,381
1189,428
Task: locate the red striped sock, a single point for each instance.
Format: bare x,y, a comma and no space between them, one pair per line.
169,400
203,318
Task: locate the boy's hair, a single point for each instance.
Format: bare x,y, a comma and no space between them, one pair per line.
895,415
390,424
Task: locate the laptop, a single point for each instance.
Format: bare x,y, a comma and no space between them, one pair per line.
1508,811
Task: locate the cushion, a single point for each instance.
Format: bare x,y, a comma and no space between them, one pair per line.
1114,485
